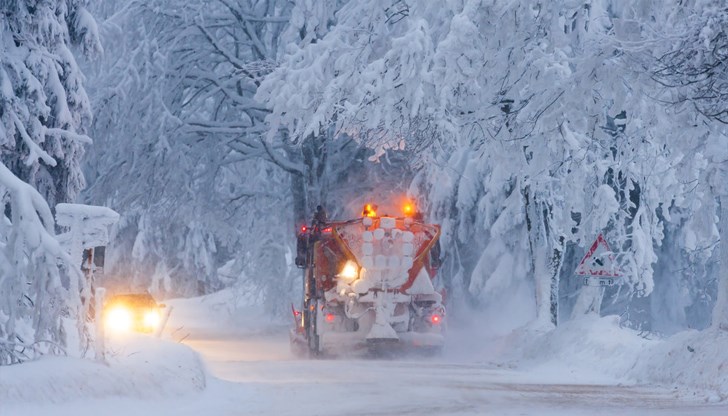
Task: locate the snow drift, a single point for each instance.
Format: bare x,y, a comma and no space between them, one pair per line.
694,364
138,366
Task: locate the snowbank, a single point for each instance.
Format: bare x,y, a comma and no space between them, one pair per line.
588,345
693,363
138,366
697,360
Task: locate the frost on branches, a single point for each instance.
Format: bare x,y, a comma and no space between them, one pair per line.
692,72
44,112
177,148
177,115
527,128
537,130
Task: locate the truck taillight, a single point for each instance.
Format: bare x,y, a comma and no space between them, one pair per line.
330,317
435,319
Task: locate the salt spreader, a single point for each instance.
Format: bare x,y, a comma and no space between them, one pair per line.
368,284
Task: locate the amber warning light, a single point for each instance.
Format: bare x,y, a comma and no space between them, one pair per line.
369,211
408,209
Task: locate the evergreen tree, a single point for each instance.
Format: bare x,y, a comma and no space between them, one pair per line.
44,114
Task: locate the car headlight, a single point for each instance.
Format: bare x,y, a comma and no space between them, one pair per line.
152,319
119,319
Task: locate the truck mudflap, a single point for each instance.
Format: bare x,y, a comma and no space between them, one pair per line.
298,343
355,343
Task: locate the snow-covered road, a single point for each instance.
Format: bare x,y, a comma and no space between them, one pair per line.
251,372
268,381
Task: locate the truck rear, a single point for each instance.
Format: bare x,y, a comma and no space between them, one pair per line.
368,284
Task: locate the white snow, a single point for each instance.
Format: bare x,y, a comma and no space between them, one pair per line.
590,365
422,284
138,367
532,129
387,223
691,364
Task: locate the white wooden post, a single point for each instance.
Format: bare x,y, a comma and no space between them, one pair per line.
100,334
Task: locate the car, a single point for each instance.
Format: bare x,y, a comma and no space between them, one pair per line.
132,312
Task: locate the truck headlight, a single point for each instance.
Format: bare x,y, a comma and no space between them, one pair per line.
349,272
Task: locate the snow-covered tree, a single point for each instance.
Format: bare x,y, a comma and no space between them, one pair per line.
693,71
180,147
44,114
531,126
161,82
537,124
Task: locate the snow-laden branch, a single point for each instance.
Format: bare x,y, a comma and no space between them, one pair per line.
35,152
69,135
38,264
282,162
249,30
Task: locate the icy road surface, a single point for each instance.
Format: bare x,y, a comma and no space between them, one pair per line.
264,379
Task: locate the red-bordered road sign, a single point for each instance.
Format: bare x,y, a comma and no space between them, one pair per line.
599,261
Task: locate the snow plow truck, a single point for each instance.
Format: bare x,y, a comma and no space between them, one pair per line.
368,285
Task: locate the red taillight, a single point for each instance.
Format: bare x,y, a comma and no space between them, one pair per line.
330,317
304,228
327,230
295,312
435,318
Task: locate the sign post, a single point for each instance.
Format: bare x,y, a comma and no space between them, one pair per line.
598,266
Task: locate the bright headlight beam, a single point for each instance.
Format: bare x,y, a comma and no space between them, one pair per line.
151,319
350,271
119,319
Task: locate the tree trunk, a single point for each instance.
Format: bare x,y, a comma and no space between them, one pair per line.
720,311
541,263
300,200
543,278
556,263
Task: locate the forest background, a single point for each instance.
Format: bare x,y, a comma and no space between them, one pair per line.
215,128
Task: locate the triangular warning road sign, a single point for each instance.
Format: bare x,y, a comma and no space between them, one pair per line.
598,261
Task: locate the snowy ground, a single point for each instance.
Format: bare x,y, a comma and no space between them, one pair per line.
585,367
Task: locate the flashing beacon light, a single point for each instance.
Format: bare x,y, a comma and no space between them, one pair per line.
369,211
408,209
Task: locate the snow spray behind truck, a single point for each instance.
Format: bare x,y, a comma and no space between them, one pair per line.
368,284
